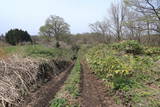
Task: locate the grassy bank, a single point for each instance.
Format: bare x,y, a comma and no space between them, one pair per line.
38,51
130,70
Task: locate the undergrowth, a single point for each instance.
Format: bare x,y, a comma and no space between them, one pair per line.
130,70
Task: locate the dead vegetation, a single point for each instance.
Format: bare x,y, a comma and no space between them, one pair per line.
2,53
19,76
16,75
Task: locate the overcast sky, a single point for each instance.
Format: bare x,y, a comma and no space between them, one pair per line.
31,14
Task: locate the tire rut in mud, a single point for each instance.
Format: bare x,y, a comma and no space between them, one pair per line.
46,93
93,91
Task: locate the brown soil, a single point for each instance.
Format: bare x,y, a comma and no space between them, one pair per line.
93,91
46,93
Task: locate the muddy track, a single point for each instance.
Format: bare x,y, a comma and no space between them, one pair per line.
46,93
93,91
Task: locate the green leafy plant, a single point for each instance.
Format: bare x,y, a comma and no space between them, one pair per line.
152,51
130,46
126,69
59,102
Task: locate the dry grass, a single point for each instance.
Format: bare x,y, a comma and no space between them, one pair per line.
3,44
16,75
19,76
2,53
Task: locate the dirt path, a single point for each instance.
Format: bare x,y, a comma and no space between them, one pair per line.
47,92
93,91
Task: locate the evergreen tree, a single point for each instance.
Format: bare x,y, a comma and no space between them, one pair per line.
16,36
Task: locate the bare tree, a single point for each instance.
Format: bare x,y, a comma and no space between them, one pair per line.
150,11
54,26
45,31
114,25
129,24
117,18
134,25
102,28
99,27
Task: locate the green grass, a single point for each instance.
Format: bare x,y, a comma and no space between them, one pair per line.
38,51
67,96
59,102
135,78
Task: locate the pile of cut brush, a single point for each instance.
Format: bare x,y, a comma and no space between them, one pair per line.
19,75
16,75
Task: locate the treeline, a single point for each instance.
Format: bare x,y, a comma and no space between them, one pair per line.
129,20
133,20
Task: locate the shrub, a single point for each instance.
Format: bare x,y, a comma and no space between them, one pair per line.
17,36
133,47
129,47
57,44
122,83
75,48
